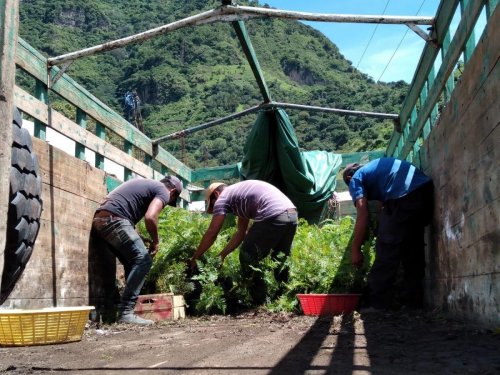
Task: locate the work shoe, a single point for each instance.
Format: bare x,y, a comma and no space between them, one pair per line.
131,318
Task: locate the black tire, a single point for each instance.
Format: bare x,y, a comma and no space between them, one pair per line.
25,207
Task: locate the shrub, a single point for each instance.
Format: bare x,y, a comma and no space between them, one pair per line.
320,262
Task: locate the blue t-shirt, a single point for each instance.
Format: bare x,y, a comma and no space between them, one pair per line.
131,199
386,178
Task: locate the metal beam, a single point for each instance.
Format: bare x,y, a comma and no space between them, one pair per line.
52,80
231,13
246,12
246,44
345,112
271,105
421,33
189,21
206,125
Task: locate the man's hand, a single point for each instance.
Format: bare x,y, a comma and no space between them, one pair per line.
222,257
357,257
153,248
146,240
360,230
192,264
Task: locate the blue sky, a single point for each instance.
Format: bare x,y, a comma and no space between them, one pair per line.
353,39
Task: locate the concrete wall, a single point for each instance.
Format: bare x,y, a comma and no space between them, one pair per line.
462,155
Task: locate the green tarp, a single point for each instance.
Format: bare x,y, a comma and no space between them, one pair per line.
272,154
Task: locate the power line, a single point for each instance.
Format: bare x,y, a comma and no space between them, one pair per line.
393,54
400,42
371,37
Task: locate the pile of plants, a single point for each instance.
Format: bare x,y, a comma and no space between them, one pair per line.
320,262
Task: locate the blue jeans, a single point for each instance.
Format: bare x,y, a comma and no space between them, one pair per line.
130,250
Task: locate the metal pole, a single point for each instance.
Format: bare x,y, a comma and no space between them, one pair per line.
230,13
189,21
248,12
246,45
207,124
345,112
271,105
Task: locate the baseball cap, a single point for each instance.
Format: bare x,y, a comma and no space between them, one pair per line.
174,181
208,193
349,170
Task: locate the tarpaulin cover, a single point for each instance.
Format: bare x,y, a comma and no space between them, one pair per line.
272,154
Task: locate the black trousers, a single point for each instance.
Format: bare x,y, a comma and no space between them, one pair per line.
269,237
400,241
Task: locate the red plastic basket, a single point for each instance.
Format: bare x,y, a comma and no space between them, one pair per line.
328,304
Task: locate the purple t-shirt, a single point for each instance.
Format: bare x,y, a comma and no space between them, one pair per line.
252,199
131,199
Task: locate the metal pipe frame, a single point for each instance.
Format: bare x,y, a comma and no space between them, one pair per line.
345,112
136,38
207,125
231,13
272,105
245,12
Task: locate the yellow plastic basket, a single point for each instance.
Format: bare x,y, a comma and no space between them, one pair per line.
44,326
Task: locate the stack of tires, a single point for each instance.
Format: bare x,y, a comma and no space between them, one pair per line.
25,207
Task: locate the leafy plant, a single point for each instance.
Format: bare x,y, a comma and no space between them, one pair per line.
174,279
321,259
211,299
320,262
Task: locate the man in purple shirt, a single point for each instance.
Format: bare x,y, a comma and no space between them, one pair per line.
115,220
274,225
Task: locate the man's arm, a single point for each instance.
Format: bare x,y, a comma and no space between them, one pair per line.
209,237
359,231
237,238
151,221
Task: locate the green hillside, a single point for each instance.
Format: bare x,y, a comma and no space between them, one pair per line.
197,74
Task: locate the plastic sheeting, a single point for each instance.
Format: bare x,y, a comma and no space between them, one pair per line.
272,154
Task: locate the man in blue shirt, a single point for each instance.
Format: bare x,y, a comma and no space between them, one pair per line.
406,194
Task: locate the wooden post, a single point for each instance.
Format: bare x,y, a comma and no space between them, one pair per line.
9,19
471,42
450,83
100,131
81,119
490,7
127,174
42,94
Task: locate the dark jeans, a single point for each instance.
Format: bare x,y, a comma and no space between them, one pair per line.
400,241
130,250
273,236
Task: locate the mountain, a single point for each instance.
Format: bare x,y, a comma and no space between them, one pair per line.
193,75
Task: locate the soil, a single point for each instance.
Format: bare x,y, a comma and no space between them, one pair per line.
264,343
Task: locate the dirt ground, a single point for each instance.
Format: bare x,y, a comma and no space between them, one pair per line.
263,343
